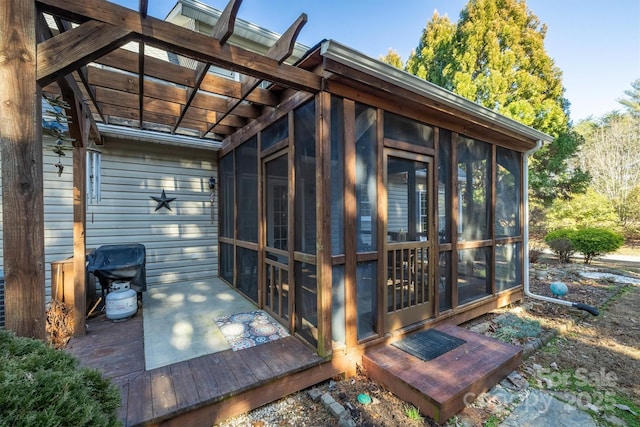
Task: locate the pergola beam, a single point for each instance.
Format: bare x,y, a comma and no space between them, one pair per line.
72,49
221,32
280,51
79,128
185,42
82,71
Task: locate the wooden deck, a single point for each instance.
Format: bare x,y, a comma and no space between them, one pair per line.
443,386
201,391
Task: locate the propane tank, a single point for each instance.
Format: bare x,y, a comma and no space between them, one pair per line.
122,302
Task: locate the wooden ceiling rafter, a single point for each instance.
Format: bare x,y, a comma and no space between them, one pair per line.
280,51
183,99
143,8
221,32
70,92
63,26
185,42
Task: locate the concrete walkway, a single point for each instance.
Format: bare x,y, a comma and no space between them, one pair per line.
527,406
179,320
540,409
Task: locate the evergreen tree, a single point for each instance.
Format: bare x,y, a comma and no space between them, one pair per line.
495,57
392,58
633,103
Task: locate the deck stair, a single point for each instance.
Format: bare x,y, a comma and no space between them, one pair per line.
441,387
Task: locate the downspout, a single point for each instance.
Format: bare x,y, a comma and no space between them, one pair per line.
593,310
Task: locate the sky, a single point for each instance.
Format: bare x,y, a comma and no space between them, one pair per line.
595,44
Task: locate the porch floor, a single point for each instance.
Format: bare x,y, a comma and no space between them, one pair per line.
200,391
441,387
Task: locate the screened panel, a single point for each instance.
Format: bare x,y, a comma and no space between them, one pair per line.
338,304
247,190
366,297
408,130
275,133
407,200
507,193
337,176
445,284
444,187
474,190
226,262
247,272
306,301
474,279
366,178
508,266
277,203
227,196
305,164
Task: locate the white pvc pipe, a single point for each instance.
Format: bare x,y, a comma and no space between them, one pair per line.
594,311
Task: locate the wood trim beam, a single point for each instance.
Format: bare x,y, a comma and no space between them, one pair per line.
227,21
72,49
82,71
22,174
185,42
143,8
221,31
141,82
79,126
280,51
323,220
350,303
173,73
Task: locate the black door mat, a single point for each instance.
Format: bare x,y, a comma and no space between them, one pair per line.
429,344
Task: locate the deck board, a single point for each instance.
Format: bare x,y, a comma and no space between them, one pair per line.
196,391
439,386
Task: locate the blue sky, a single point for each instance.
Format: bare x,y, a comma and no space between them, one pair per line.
595,44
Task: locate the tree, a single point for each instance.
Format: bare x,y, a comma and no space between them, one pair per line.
632,104
582,210
433,54
393,58
495,57
611,154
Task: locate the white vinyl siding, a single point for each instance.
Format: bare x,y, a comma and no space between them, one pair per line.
181,244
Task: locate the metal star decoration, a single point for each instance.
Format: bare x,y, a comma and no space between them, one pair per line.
163,201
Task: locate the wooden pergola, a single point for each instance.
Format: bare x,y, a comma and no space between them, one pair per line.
46,47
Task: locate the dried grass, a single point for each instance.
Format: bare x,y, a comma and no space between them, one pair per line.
59,323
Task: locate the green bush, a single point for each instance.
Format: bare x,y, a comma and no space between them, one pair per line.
593,242
560,243
581,211
41,386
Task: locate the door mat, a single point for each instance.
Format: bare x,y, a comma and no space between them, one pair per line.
429,344
244,330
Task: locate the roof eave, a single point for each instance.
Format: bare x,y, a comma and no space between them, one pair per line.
385,72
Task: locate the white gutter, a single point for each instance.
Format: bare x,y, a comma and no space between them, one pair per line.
593,310
132,134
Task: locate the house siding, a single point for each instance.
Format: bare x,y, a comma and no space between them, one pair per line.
181,244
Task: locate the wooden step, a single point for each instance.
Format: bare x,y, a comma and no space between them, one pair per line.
443,386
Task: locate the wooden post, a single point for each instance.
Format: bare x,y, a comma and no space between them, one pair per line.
323,221
22,176
78,130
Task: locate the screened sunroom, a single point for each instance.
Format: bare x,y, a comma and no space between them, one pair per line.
377,206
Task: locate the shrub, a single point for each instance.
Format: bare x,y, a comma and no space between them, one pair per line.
593,242
560,243
42,386
581,211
